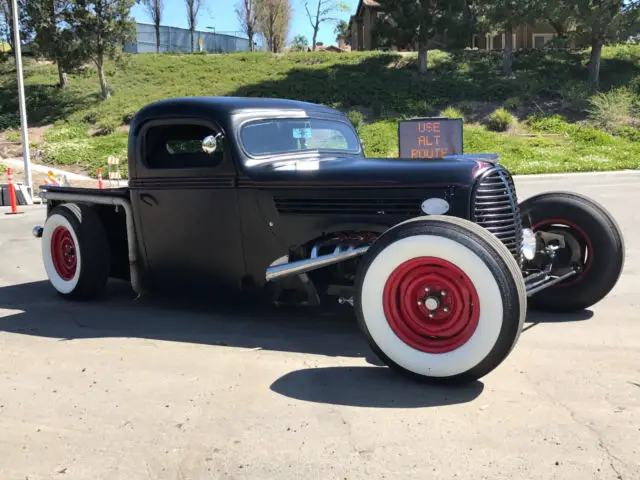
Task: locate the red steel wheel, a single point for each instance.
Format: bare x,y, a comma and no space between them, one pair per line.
63,253
431,304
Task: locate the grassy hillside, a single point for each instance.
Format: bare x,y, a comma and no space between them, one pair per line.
552,121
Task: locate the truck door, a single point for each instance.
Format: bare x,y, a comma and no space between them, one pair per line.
187,204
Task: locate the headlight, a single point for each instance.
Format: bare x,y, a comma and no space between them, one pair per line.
529,243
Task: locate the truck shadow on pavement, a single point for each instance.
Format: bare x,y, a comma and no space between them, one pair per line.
35,309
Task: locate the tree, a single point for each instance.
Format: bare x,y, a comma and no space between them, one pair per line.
505,16
273,19
53,36
603,21
299,43
342,31
246,11
101,27
559,14
418,22
154,9
193,9
7,16
322,11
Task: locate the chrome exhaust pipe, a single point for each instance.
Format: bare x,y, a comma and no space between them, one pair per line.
37,231
303,266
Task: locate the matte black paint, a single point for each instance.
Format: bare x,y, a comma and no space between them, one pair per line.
219,226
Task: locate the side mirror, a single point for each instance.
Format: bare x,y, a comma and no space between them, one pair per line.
210,143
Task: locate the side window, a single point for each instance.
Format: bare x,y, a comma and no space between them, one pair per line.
182,146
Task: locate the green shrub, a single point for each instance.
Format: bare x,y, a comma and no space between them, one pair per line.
575,96
9,120
634,84
466,108
609,110
13,135
629,133
590,136
106,127
127,117
357,119
500,120
90,118
451,112
380,139
513,103
552,124
65,131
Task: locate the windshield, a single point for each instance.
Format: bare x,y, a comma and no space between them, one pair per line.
283,135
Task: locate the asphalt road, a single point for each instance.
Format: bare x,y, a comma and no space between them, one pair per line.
164,389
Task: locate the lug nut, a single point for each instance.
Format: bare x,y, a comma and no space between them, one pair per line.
431,315
427,289
446,309
443,293
419,303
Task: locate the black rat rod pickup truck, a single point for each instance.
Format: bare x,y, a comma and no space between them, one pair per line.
248,195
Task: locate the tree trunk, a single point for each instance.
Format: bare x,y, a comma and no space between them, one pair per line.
507,52
103,81
594,64
192,40
315,38
422,58
62,78
250,35
157,38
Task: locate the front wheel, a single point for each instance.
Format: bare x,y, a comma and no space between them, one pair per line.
593,244
440,299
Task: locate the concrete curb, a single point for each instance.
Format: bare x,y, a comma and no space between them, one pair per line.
560,176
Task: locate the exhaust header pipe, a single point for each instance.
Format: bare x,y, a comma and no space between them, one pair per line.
303,266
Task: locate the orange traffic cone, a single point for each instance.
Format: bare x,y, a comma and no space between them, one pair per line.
100,179
12,195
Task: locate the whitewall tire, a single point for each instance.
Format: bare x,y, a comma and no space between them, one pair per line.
75,251
441,299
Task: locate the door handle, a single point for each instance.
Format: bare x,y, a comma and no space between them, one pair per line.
148,199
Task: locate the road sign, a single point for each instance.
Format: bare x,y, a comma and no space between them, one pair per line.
430,138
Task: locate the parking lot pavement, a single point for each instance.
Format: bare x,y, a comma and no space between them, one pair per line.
163,389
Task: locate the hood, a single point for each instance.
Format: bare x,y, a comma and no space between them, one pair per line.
357,171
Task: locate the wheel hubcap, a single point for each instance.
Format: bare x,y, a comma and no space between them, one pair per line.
63,253
431,305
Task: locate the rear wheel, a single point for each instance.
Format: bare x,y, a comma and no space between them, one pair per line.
75,251
440,299
593,243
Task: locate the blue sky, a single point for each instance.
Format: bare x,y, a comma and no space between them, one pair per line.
221,15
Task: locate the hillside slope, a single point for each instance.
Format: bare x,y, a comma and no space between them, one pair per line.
82,130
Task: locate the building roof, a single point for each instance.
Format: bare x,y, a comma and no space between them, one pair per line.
366,4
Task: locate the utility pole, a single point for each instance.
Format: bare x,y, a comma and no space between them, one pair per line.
23,108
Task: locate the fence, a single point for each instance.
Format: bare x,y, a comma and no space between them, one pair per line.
174,39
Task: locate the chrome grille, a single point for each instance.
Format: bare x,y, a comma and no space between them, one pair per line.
494,206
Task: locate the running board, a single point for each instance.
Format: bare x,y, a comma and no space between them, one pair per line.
539,281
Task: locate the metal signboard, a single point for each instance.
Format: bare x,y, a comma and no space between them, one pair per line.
430,138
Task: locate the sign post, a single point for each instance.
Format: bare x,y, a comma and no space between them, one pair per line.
21,101
430,138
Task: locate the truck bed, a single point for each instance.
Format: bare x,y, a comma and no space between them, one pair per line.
122,192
